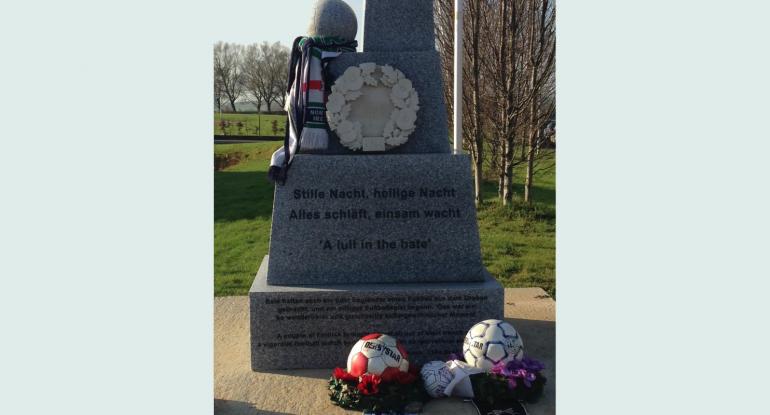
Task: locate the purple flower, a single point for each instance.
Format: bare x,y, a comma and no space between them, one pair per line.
532,365
525,369
501,369
530,377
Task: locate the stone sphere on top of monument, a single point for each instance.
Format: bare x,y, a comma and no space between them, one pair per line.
333,18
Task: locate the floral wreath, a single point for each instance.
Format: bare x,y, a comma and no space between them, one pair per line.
505,383
392,392
346,89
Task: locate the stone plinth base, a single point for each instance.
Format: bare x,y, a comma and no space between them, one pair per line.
305,327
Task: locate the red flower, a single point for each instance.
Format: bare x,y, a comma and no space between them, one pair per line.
405,378
369,384
341,374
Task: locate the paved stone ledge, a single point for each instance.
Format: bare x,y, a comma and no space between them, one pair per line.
240,391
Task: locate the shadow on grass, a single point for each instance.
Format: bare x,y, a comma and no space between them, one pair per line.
242,195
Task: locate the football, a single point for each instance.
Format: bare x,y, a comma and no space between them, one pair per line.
436,376
377,354
491,342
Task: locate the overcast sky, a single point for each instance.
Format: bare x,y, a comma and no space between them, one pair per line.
269,20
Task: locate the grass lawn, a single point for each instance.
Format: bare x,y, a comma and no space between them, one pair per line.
243,203
251,124
517,242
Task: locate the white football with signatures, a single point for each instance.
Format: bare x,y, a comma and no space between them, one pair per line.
491,342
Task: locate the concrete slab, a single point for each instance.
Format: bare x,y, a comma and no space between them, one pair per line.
239,391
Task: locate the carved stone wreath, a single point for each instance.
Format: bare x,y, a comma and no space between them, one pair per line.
369,80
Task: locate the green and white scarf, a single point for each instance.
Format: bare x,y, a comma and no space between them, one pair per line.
306,91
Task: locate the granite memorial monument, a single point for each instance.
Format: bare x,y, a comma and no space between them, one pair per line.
374,237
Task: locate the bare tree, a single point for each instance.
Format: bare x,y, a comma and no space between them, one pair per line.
444,29
251,67
508,84
475,127
280,67
227,70
507,80
218,93
542,48
265,69
473,94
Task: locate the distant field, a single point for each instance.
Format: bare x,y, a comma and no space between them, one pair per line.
517,242
249,124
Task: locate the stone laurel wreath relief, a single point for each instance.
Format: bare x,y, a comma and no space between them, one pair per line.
385,109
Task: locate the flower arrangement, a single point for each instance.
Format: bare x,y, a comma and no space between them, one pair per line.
516,380
389,392
346,89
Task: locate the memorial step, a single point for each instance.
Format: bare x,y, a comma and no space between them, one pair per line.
306,327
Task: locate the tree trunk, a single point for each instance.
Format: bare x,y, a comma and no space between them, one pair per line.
232,104
479,169
268,106
530,165
531,137
509,122
508,172
532,108
501,176
477,127
503,62
502,179
477,180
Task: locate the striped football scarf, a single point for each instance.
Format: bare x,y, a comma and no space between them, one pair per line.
306,91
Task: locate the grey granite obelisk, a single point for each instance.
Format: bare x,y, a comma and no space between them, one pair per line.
364,243
398,26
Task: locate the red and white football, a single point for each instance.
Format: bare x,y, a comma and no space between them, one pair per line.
377,354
